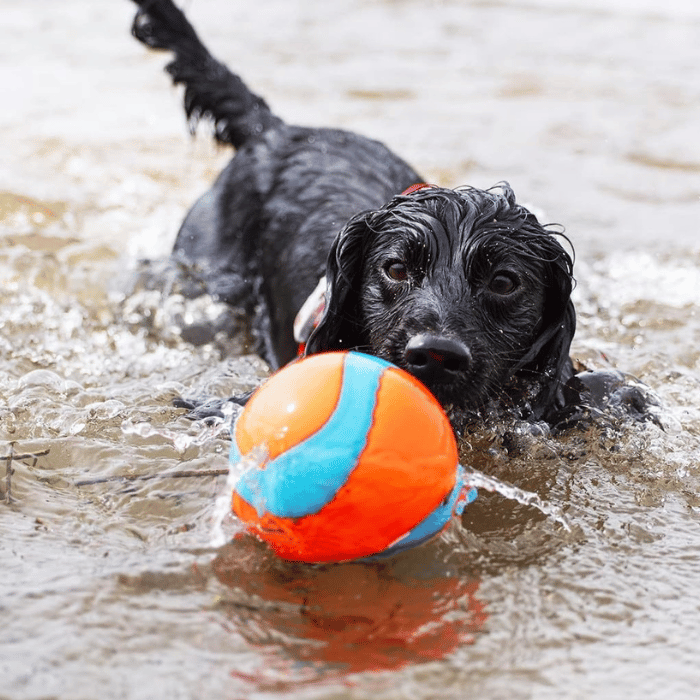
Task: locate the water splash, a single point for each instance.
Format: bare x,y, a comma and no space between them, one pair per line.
224,524
204,431
473,478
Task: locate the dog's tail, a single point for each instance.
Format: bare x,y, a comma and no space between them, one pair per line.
211,89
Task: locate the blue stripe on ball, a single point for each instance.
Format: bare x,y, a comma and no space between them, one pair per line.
302,480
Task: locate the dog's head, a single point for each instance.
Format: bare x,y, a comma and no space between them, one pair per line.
462,288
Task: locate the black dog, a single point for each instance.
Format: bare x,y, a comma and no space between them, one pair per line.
463,288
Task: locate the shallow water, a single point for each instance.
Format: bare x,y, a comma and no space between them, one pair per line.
111,587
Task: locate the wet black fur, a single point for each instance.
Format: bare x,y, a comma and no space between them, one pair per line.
468,267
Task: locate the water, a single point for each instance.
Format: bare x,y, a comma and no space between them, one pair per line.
473,478
111,586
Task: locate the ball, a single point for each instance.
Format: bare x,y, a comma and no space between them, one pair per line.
359,460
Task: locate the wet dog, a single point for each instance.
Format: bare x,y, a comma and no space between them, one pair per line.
463,288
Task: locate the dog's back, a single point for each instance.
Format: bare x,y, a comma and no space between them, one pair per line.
261,235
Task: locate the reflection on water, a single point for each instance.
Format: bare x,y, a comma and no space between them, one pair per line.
349,617
111,586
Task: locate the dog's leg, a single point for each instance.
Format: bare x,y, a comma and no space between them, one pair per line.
209,409
211,89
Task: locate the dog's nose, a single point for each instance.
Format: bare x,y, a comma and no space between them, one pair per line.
436,358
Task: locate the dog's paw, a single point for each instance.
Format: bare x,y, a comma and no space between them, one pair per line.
606,396
208,409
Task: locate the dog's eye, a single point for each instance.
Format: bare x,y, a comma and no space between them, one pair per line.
396,271
503,283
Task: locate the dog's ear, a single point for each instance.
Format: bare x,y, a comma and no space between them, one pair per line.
548,361
340,327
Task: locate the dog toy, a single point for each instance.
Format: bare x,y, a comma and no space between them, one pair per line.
358,460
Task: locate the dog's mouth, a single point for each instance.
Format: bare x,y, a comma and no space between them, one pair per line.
457,396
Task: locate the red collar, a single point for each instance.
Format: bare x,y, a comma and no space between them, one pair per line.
416,187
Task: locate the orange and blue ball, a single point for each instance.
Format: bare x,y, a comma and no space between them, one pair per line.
360,460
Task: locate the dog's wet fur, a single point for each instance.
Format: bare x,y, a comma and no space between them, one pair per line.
463,288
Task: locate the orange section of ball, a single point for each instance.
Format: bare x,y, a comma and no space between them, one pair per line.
292,405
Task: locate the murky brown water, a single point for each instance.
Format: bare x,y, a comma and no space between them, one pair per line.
112,590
